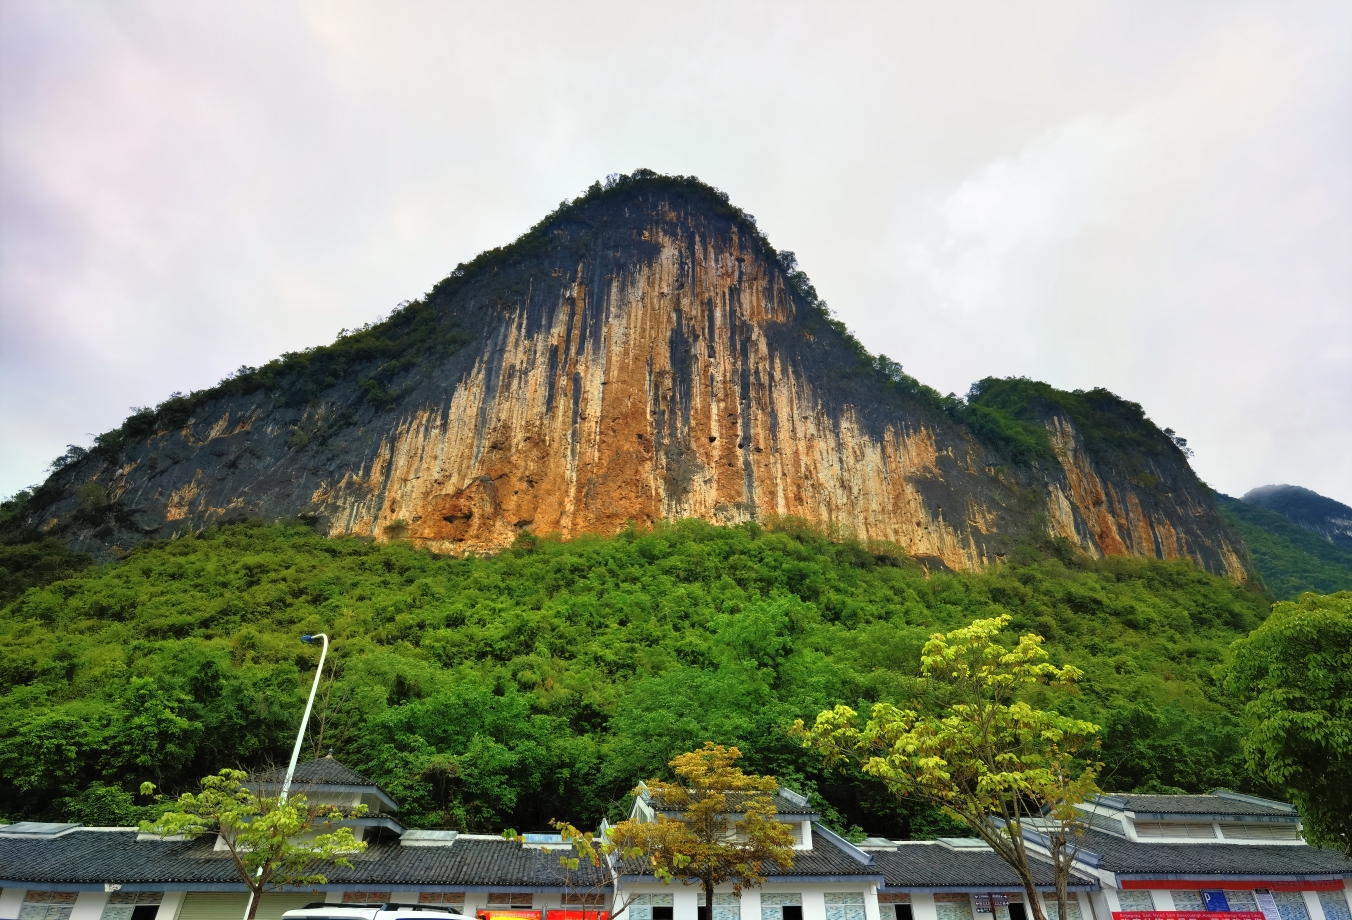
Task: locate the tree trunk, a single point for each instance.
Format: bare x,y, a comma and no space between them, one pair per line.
254,898
1030,892
708,899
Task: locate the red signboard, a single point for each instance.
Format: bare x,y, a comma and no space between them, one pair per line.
506,913
1187,915
1171,884
577,913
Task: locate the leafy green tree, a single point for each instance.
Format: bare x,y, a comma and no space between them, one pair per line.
1295,675
484,691
269,839
725,828
990,759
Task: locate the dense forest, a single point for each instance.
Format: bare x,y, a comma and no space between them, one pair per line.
544,681
1290,558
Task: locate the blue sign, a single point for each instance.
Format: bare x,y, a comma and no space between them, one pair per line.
1214,902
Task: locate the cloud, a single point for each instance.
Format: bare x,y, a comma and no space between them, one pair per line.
1150,197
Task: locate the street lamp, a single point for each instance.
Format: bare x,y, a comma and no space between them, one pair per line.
300,736
309,704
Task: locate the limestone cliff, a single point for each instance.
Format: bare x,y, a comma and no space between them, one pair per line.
641,355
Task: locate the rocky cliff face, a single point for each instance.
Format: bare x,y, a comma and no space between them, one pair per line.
643,355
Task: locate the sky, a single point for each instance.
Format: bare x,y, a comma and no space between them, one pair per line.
1153,197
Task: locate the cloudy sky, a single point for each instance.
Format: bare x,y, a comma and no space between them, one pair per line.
1151,197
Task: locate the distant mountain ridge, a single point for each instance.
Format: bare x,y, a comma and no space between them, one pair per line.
642,354
1317,513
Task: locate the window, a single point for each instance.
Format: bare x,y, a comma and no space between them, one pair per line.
1190,829
47,905
953,906
1260,832
365,897
1135,900
651,907
1072,906
132,905
775,906
1291,905
895,903
1335,905
441,897
516,900
844,905
1187,900
726,907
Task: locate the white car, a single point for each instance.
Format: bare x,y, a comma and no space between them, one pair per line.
321,911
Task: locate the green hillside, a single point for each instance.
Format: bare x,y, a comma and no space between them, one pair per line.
544,681
1291,559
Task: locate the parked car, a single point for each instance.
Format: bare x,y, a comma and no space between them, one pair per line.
318,910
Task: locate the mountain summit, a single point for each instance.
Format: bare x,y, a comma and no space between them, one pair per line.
642,354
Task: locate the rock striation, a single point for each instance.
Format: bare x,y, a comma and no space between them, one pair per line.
642,355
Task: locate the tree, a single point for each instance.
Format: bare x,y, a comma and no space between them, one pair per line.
725,827
587,869
1294,674
988,759
268,839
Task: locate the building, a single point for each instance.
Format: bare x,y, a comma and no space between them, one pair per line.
1224,853
1143,858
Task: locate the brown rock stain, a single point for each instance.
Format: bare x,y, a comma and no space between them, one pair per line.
664,402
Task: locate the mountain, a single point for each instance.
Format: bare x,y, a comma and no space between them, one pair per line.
1318,514
1290,558
642,354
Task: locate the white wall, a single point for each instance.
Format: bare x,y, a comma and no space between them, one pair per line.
685,902
89,905
1312,905
171,905
1163,899
751,904
814,905
11,900
922,906
870,903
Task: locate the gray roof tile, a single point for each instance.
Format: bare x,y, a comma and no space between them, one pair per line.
1127,858
933,865
322,772
1197,805
92,857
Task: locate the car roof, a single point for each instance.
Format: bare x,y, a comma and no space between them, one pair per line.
365,910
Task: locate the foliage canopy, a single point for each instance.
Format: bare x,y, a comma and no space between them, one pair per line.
478,691
724,828
982,754
274,843
1295,674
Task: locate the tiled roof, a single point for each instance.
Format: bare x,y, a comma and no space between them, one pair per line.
1127,858
1195,805
933,865
783,804
92,857
824,859
322,772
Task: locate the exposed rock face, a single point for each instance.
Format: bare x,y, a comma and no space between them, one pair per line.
653,361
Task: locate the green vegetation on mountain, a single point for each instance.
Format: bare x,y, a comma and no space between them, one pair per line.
1291,559
542,682
1324,516
1294,674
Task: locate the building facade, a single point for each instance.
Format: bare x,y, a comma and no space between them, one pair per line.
1215,857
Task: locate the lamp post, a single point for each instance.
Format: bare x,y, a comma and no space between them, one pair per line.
300,736
309,704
